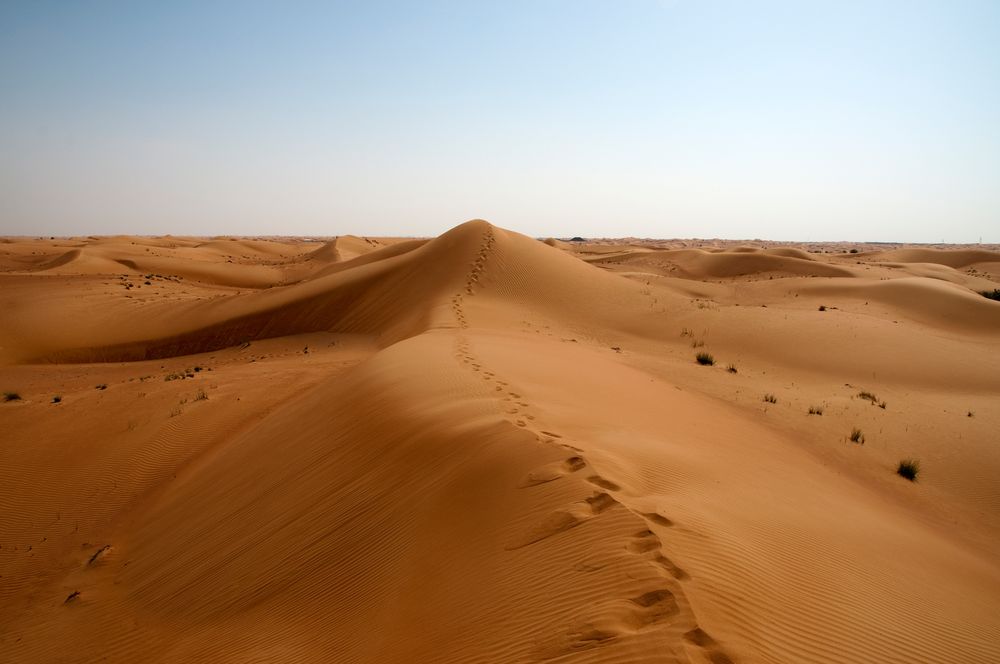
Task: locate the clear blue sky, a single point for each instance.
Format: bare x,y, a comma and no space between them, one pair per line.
783,120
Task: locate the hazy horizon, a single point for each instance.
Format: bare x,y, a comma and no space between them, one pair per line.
663,119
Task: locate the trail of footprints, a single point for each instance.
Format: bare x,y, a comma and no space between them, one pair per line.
479,264
656,606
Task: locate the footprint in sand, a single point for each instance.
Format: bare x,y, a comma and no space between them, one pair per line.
553,471
99,554
671,568
564,519
707,645
658,519
601,502
609,621
644,541
597,480
655,606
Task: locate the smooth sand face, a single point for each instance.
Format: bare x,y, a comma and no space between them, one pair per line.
486,448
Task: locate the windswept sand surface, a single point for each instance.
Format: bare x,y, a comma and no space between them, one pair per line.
488,448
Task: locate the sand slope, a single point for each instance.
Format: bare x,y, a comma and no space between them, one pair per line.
482,448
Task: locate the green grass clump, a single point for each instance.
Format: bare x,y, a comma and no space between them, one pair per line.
704,359
909,469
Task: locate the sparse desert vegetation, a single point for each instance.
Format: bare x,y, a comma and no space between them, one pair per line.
992,295
815,410
857,436
869,396
770,398
704,359
909,469
11,396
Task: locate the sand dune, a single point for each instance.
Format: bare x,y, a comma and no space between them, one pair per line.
700,264
486,448
957,258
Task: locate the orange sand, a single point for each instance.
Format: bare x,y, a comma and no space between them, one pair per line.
487,448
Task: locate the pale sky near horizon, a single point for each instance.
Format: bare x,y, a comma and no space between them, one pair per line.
865,121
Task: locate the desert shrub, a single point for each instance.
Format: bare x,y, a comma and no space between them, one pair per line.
11,396
993,294
908,468
57,399
697,344
822,307
868,396
970,414
201,396
102,386
857,436
854,251
815,410
731,368
770,398
705,359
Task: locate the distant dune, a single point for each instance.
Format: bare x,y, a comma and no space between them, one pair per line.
483,447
